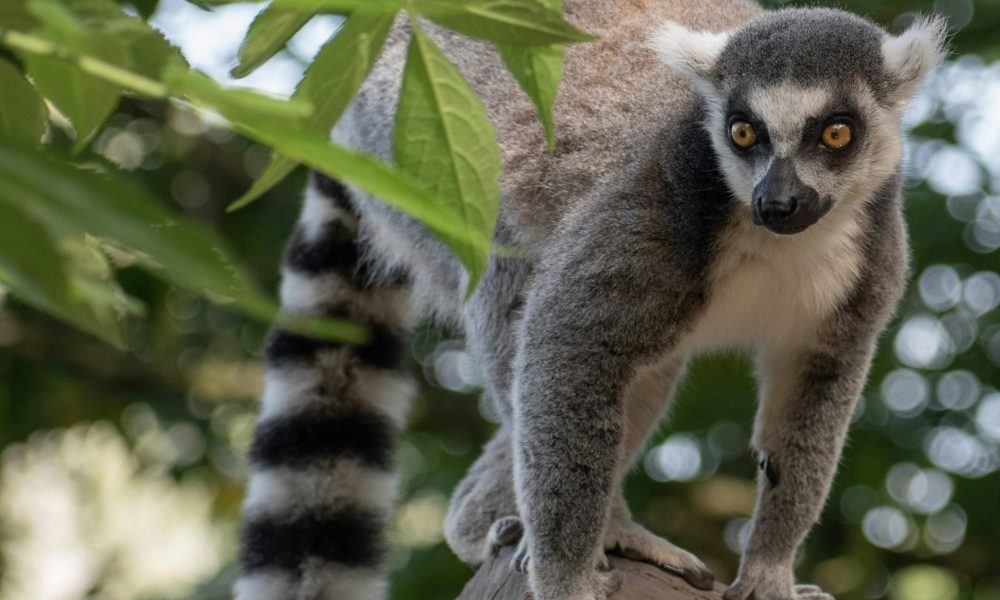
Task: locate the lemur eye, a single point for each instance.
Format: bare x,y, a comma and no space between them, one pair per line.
743,134
836,135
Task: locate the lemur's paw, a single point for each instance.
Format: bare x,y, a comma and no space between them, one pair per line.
634,541
766,584
505,531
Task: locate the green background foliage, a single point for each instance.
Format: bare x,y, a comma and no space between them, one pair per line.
134,306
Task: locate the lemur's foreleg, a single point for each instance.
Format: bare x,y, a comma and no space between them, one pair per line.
593,316
807,399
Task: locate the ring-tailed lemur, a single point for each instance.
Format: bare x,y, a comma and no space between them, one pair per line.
738,188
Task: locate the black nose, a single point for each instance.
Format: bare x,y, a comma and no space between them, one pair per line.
782,202
772,210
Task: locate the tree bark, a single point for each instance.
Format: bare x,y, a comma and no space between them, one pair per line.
496,580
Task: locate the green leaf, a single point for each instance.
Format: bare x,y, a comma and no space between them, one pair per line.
512,22
146,8
537,71
329,84
85,100
29,257
35,272
205,6
443,138
22,111
14,15
94,291
269,32
149,53
78,313
70,202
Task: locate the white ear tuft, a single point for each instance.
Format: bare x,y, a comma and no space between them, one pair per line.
911,54
693,53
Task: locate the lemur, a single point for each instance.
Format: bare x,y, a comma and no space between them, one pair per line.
724,177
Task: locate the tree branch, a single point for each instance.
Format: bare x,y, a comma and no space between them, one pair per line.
496,580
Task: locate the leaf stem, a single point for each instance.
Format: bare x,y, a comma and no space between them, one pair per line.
24,42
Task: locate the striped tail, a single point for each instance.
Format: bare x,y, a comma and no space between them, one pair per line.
321,481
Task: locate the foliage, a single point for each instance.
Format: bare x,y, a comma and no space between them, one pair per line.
82,56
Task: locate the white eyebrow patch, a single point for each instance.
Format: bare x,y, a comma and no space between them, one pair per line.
784,109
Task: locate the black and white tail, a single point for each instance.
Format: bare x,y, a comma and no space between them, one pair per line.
321,480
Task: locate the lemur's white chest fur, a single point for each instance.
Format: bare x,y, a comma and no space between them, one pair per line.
775,290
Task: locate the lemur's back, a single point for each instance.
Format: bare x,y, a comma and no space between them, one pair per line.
611,102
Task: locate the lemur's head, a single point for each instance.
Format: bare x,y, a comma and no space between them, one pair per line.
804,105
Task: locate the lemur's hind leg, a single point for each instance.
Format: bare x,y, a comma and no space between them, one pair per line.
486,494
484,497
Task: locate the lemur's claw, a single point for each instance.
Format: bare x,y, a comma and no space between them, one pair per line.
700,578
521,560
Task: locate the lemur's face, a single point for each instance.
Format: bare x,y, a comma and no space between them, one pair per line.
792,152
803,106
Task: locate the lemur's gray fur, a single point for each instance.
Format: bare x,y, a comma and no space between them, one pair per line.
649,236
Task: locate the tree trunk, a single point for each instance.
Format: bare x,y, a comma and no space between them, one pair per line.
496,580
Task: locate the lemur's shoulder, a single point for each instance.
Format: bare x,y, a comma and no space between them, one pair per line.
614,102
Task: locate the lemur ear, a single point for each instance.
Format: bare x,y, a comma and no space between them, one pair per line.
911,54
693,53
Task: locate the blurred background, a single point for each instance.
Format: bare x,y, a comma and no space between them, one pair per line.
122,471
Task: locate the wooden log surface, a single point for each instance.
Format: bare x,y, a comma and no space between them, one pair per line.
497,580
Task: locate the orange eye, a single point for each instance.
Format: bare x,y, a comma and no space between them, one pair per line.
743,134
836,135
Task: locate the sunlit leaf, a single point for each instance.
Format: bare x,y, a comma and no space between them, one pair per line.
391,185
22,111
444,139
538,71
330,83
269,32
521,22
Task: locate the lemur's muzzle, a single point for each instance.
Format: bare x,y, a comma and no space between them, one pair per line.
782,203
